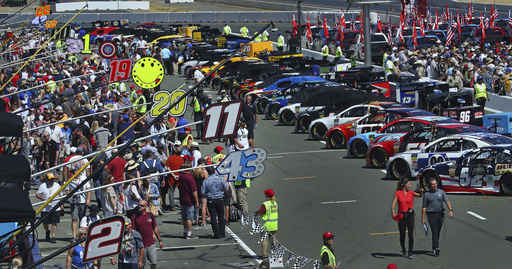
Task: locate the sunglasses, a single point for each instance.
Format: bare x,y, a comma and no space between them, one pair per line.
142,205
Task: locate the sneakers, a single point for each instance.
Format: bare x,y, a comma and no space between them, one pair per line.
48,236
191,237
53,240
437,252
404,253
409,255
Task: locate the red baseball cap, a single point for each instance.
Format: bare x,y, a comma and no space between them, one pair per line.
139,90
219,148
132,86
269,193
188,129
328,235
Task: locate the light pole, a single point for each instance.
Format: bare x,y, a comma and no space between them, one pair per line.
299,32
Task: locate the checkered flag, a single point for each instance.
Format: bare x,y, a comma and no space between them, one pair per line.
246,219
296,265
291,256
257,225
304,262
277,254
316,265
263,237
273,246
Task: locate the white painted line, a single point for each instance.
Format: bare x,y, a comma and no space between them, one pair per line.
275,157
243,245
383,171
311,151
338,202
200,246
475,215
323,142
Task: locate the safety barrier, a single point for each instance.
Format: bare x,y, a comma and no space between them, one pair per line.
102,5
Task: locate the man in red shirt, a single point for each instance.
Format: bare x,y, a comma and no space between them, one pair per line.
174,162
116,169
188,200
145,223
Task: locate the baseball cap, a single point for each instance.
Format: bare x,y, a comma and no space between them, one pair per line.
125,117
188,129
139,90
127,221
50,175
219,148
210,96
94,208
269,193
177,143
194,144
78,130
392,266
328,235
72,149
132,86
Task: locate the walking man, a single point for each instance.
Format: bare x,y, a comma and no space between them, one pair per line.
145,223
481,96
251,117
326,253
132,249
434,209
188,200
45,191
269,216
213,190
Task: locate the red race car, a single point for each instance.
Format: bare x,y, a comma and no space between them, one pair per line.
338,136
382,147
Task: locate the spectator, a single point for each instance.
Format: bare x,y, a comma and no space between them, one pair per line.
144,222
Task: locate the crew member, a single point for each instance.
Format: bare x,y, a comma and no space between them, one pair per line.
326,254
325,51
481,95
227,29
339,52
244,31
280,42
269,216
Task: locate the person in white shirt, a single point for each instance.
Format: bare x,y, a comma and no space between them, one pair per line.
194,149
45,191
242,136
92,217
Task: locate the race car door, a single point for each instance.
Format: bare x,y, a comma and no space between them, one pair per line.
479,169
444,150
371,123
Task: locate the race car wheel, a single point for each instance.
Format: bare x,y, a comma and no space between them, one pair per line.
506,184
262,105
337,140
242,94
190,74
234,91
273,110
187,71
287,117
400,169
358,148
379,157
216,84
427,176
304,122
318,131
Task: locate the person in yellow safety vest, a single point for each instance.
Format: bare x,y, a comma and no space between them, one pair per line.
242,189
60,45
389,68
189,139
264,36
227,29
353,61
258,37
385,58
141,100
269,215
133,93
325,51
244,31
339,52
280,42
326,254
72,58
114,86
481,95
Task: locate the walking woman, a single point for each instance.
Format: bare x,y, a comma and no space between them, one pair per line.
405,216
76,254
108,197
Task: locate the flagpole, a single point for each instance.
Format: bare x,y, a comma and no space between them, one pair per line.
299,32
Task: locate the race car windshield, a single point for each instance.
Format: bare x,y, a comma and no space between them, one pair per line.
496,140
469,129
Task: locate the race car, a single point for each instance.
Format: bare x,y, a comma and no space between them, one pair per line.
358,145
338,136
279,85
409,163
384,147
484,170
317,128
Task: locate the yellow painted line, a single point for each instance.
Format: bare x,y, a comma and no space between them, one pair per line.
384,233
288,178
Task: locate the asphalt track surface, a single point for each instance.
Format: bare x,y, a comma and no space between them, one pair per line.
319,190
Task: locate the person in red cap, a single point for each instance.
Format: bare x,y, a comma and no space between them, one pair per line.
405,198
269,216
141,100
220,155
326,254
189,139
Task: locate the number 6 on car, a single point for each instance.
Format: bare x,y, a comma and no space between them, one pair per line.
221,119
245,164
104,238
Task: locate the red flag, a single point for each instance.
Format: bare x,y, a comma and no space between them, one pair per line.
361,26
494,15
326,30
482,29
437,20
447,13
401,29
309,35
294,23
342,20
458,26
379,23
414,35
422,27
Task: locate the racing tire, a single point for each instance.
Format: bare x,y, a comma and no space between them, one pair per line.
379,157
273,110
400,169
318,131
506,184
304,123
216,84
425,179
242,94
287,117
233,92
337,140
187,71
191,72
358,148
262,105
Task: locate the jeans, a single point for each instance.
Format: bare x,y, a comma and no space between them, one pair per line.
168,66
97,183
435,220
216,208
171,196
198,116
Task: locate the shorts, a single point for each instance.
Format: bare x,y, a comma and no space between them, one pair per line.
227,197
149,255
77,211
187,212
53,218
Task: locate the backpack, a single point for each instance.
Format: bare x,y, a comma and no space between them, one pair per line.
152,170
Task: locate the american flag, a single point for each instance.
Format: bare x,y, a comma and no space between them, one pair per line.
430,22
444,18
494,15
401,29
509,22
342,20
336,21
390,34
451,33
319,21
486,22
414,35
466,19
471,10
352,25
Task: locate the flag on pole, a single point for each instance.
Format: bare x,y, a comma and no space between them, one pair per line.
447,13
294,23
422,27
336,21
390,35
342,20
309,35
326,30
401,29
437,20
483,30
430,22
379,23
494,15
352,25
362,28
459,28
451,32
414,35
319,21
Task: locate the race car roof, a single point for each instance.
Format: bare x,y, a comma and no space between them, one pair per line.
410,111
491,138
